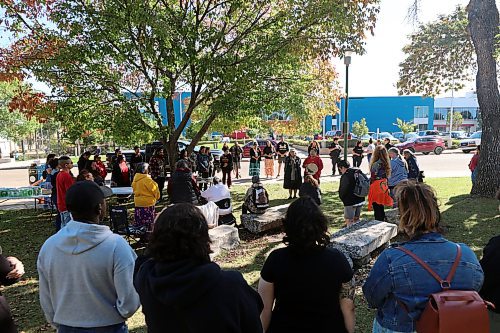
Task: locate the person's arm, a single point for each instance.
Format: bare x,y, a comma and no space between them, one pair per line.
127,299
347,308
266,292
343,187
378,284
11,270
320,164
155,190
44,293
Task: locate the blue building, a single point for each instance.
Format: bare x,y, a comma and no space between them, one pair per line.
381,112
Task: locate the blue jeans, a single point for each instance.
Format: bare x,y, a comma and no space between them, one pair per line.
369,158
377,328
65,218
473,175
118,328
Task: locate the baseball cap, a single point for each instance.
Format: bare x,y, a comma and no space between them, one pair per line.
85,194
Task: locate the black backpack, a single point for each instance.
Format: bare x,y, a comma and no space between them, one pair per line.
362,184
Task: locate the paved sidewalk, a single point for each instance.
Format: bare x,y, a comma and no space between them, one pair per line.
14,165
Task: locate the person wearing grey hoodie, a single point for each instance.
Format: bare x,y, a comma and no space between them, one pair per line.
85,270
399,169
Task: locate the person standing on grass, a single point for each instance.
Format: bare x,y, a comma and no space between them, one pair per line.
255,155
491,287
269,159
157,169
54,164
413,168
473,164
399,169
293,174
369,150
226,163
357,154
83,161
256,199
236,152
379,196
335,151
310,188
182,186
146,194
11,270
313,165
85,270
398,287
203,165
352,203
305,285
182,290
211,166
64,181
282,151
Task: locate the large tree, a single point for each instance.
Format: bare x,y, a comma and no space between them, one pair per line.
103,56
443,55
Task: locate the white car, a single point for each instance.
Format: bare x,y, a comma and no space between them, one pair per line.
470,144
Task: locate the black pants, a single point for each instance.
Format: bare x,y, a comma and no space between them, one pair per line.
379,212
335,160
205,175
356,161
226,176
161,184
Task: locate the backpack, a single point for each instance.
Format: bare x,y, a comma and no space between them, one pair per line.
449,310
260,197
362,184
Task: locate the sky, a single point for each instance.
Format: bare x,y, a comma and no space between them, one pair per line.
376,72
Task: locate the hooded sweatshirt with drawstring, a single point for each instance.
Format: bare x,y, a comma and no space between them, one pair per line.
188,296
85,274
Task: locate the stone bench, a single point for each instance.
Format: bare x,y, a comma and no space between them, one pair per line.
361,239
271,219
223,237
392,216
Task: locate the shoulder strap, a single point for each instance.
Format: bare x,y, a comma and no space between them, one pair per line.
445,284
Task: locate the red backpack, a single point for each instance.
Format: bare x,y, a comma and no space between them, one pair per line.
457,311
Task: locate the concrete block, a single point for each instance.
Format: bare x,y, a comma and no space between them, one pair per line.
271,219
392,216
361,239
223,237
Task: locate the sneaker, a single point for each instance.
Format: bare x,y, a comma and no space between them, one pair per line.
290,198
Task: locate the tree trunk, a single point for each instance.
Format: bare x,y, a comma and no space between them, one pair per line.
483,25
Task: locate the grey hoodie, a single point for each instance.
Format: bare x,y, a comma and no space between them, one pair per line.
85,274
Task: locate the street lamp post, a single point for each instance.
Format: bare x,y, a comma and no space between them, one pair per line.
345,127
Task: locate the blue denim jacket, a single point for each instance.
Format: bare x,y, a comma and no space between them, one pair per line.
398,277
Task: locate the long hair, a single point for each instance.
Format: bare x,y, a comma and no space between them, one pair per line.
418,208
380,153
180,232
305,225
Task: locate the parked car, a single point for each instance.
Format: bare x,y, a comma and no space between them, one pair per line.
424,144
399,135
410,136
238,135
470,144
457,135
260,142
429,132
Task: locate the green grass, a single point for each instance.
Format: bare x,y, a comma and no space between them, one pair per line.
470,220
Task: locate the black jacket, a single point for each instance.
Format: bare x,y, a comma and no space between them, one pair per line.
186,296
491,267
413,169
309,190
346,189
182,187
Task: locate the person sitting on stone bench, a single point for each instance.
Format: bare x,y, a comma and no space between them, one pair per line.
256,199
182,187
220,195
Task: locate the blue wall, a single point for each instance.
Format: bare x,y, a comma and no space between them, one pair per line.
381,112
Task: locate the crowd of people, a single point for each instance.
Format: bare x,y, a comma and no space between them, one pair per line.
305,286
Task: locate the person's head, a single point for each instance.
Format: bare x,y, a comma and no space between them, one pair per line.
142,168
379,142
226,152
65,163
54,163
311,180
85,201
84,175
184,154
418,208
407,153
314,143
380,153
393,152
255,179
370,141
160,152
120,159
478,149
359,143
314,152
180,233
281,138
343,166
182,165
268,143
137,150
335,140
202,150
387,140
254,144
292,152
305,225
86,155
236,143
50,157
118,151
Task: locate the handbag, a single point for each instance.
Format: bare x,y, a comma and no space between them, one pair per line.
447,311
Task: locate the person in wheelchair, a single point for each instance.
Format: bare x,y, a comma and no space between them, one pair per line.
221,196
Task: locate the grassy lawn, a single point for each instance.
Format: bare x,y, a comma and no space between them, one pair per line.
469,220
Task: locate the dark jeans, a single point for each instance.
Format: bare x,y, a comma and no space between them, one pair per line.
161,184
356,161
379,212
226,174
118,328
204,175
335,160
